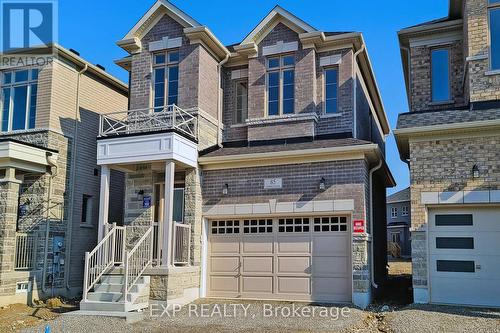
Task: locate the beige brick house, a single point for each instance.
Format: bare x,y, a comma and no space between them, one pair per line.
49,186
246,166
450,140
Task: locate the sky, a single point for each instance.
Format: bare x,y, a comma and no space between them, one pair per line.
94,33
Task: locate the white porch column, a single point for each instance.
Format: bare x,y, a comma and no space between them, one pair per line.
103,201
168,207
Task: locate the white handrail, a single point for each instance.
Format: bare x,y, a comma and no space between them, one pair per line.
149,120
137,260
103,257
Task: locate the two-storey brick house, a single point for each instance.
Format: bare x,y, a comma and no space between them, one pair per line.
450,140
247,165
49,186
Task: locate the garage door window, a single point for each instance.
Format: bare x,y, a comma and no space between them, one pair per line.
326,224
454,220
454,243
460,266
225,227
293,225
257,226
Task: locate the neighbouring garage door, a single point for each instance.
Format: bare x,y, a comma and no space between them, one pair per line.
306,258
465,256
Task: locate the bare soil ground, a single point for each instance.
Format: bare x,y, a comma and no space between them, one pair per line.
17,317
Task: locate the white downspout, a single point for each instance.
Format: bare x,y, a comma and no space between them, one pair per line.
73,177
372,273
355,88
53,163
220,96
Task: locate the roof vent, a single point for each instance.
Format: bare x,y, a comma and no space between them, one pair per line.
75,52
101,67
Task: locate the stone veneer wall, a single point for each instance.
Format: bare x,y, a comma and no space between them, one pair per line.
446,165
34,194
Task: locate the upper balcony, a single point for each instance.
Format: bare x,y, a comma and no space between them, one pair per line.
148,135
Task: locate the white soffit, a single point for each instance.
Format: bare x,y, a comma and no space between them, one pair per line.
239,74
280,47
437,39
335,59
24,157
165,43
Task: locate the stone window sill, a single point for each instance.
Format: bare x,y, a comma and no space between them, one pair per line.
493,72
238,125
85,225
441,103
283,118
330,115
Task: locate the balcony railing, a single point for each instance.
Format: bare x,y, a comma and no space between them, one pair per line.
25,251
182,244
170,117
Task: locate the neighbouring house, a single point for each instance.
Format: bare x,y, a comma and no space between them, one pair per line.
398,220
450,140
49,186
253,171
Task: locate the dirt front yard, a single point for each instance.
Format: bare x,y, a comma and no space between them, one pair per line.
399,267
205,316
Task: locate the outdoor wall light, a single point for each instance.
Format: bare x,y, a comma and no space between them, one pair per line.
322,185
140,194
225,189
475,171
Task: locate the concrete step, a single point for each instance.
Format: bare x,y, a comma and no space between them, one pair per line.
102,306
117,279
105,296
114,288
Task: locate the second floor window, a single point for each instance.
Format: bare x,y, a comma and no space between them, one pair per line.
165,79
494,18
18,99
241,102
394,212
331,90
440,75
280,85
404,211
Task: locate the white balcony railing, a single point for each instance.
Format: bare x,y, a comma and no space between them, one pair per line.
25,251
170,117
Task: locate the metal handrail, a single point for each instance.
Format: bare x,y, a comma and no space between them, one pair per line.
149,120
137,260
101,258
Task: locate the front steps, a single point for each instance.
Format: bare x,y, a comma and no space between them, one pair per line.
107,296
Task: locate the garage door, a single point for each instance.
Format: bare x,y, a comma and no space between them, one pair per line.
299,258
465,256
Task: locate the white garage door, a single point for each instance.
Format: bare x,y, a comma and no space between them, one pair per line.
288,258
465,256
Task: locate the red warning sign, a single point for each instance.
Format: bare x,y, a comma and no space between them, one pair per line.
359,226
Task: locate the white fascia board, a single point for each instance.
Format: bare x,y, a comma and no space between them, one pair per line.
19,156
481,124
437,39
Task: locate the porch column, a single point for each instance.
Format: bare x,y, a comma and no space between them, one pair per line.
168,207
103,201
9,195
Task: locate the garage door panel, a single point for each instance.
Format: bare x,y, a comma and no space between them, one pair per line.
331,288
478,292
223,265
294,285
257,265
330,266
257,284
227,245
224,284
294,244
294,265
327,245
256,244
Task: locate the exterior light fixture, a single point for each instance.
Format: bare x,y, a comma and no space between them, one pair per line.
140,195
475,171
322,185
225,189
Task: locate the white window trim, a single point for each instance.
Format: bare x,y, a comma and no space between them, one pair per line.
324,114
22,291
404,211
280,70
394,212
89,214
12,86
491,7
243,120
166,66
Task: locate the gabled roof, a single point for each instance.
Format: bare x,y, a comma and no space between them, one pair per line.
401,196
160,8
277,14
